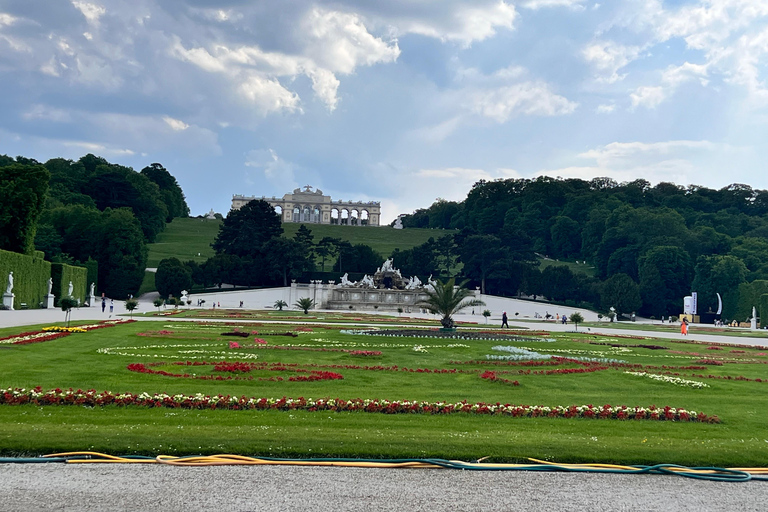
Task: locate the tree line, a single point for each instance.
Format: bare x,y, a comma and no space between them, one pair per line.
90,208
649,245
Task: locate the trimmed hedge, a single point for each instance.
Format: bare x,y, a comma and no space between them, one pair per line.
30,277
62,274
93,275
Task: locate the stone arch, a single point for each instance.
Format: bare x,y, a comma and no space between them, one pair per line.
296,213
364,217
335,216
316,214
305,213
344,217
279,210
354,217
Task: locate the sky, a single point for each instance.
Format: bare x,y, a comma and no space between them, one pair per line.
403,101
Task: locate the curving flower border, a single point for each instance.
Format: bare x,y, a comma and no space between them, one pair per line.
92,398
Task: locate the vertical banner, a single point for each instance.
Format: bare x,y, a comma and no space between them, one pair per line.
695,296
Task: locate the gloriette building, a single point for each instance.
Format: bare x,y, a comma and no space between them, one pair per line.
313,207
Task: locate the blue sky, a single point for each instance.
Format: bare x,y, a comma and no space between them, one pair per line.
402,101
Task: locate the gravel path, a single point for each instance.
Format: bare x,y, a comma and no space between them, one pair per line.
120,487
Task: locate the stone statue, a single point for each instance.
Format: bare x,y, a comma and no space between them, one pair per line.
50,285
9,288
367,282
413,283
184,295
93,286
387,266
69,289
398,224
345,280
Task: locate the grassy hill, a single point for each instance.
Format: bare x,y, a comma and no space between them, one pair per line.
186,238
576,268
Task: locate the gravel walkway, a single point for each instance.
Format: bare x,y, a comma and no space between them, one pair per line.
34,487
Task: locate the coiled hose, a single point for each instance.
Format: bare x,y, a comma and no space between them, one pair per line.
700,473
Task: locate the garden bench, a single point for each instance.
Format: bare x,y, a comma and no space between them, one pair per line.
23,305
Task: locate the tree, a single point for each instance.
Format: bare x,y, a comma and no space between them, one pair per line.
327,247
305,303
22,195
280,304
285,258
245,231
358,258
121,252
447,299
577,319
665,275
158,302
131,304
304,237
621,293
66,304
719,274
484,256
486,314
170,191
172,277
557,282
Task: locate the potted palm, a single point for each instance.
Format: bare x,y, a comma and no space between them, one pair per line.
447,299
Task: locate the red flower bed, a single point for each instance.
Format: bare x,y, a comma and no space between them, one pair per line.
489,375
92,398
237,368
365,353
51,336
710,362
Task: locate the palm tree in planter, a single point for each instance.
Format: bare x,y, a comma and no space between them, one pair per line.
280,304
305,303
447,299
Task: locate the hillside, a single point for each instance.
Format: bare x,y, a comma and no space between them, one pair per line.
188,237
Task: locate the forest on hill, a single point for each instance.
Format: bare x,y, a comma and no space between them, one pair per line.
650,245
88,210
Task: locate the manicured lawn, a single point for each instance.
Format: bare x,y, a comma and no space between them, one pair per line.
99,359
186,238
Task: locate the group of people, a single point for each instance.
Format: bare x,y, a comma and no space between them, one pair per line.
104,305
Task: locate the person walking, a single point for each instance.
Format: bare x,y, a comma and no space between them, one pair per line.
111,306
103,304
684,327
565,320
504,320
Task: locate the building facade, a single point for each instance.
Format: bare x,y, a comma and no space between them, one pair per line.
313,207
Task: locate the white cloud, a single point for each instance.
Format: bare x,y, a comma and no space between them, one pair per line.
175,124
672,78
677,161
278,172
609,57
527,98
7,19
458,22
605,108
92,12
540,4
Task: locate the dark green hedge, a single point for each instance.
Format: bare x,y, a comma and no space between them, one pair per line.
30,277
93,275
62,274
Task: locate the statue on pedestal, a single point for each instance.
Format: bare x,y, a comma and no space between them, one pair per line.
9,288
69,289
93,286
50,285
367,282
345,280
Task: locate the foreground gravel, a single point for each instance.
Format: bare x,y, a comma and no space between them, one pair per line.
32,487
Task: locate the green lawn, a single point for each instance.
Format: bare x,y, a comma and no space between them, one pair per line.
186,238
99,359
576,268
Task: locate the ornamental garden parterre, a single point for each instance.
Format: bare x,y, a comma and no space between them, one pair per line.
196,387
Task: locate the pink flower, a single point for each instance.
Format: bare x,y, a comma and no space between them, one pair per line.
234,344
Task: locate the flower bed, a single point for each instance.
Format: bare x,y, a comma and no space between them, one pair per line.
26,338
58,328
92,398
491,376
429,333
671,380
237,368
